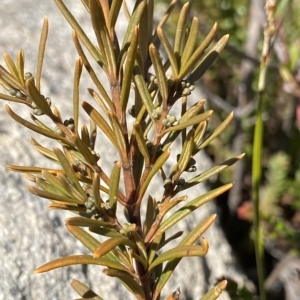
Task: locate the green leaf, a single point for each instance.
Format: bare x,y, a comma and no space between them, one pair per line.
114,12
114,186
69,171
180,31
133,22
102,35
84,150
86,222
191,206
77,74
142,89
140,246
84,291
52,196
191,42
11,81
91,72
128,282
150,214
186,152
197,54
208,60
215,292
35,128
180,252
41,53
84,237
191,122
118,134
158,164
111,244
169,51
79,32
216,132
141,142
11,66
189,239
44,151
212,171
20,66
128,69
160,75
80,260
100,121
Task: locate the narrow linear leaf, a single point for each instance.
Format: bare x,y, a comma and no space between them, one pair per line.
114,12
20,66
96,192
140,246
158,164
216,132
180,30
80,260
194,59
38,99
142,89
127,281
84,291
191,42
79,31
141,142
69,170
208,60
14,99
91,72
99,120
84,150
11,66
191,206
189,239
52,196
154,246
186,152
41,53
180,252
191,122
160,74
11,80
133,22
128,69
215,292
105,232
114,186
84,237
59,184
169,51
77,74
118,134
199,133
86,222
111,244
171,238
212,171
29,169
44,151
36,128
150,214
46,186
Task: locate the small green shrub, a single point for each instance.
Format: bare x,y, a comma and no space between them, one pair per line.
80,185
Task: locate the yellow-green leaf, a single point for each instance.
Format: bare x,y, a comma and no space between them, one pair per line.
179,252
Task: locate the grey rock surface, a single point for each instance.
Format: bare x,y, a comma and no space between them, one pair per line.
29,234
